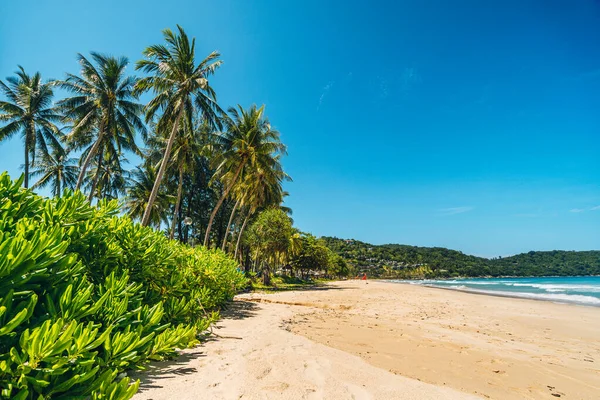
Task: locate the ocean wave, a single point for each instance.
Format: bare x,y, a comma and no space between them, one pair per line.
559,297
560,287
442,282
549,287
555,297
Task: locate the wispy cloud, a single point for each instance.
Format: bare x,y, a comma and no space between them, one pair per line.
454,210
326,90
580,210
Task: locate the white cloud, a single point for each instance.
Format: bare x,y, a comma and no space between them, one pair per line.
580,210
454,210
326,90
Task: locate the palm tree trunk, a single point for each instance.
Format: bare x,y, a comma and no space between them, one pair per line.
163,168
29,141
88,159
223,196
239,239
96,176
26,182
229,224
59,178
177,203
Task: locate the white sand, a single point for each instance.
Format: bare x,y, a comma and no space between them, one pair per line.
255,356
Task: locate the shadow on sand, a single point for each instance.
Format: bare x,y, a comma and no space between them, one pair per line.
158,371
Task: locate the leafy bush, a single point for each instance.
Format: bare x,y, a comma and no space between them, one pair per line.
86,294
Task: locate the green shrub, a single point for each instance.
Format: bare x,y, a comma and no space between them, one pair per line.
86,294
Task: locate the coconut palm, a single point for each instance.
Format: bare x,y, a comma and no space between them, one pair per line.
56,169
103,106
111,151
179,84
109,178
28,109
187,148
263,189
249,142
138,193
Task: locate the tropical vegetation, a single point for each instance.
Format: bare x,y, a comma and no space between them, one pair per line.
86,294
203,174
412,262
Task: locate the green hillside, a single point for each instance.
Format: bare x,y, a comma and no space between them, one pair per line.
402,261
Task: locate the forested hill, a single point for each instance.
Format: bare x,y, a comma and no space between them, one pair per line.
402,261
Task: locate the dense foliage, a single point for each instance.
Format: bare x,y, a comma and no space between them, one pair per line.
401,261
86,294
312,255
204,175
269,238
276,246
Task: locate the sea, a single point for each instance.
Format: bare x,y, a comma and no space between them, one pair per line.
583,290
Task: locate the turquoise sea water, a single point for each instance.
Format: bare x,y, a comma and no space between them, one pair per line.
583,290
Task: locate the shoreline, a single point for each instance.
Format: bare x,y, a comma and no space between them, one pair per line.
516,295
505,295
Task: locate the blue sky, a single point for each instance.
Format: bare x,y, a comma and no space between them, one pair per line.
473,125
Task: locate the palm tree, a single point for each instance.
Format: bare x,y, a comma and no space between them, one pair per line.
56,169
110,179
179,84
110,151
239,198
264,189
187,148
138,193
249,142
29,110
103,106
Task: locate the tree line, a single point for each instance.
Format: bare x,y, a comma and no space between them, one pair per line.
408,262
205,172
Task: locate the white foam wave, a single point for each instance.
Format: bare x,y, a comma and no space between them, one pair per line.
559,297
560,287
548,287
555,297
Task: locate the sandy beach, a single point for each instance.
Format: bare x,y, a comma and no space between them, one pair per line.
351,340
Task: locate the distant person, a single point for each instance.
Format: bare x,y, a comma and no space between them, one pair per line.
364,277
